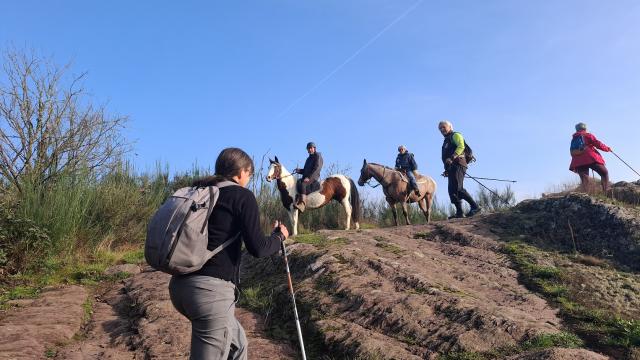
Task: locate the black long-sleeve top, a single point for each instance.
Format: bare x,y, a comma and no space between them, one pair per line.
236,212
312,167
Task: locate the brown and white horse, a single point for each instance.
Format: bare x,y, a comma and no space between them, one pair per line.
394,187
336,187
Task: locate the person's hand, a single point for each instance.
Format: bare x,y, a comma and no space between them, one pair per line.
306,180
278,226
445,174
448,162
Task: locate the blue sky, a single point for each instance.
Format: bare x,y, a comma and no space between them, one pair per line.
197,76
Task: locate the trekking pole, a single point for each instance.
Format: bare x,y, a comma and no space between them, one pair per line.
293,299
629,166
491,191
490,179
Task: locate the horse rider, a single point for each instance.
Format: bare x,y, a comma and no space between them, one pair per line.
585,156
455,168
406,163
310,176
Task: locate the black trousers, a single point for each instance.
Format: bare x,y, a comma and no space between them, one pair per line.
457,192
307,188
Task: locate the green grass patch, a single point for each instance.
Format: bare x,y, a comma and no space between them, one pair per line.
50,353
392,248
17,293
561,339
539,342
257,298
133,257
56,270
600,329
319,240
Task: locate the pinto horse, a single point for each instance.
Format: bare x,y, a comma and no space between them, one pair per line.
336,187
395,186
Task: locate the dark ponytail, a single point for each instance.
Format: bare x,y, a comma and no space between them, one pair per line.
230,162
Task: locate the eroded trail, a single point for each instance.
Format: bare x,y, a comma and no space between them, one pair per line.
413,292
131,319
418,292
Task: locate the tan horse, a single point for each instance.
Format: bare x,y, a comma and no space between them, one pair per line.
394,186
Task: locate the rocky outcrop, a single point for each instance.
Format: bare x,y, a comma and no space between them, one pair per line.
407,293
581,223
628,192
43,324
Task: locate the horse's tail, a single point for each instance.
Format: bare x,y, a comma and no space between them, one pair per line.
354,199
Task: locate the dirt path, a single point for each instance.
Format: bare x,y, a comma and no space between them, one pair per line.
418,291
133,319
40,325
412,292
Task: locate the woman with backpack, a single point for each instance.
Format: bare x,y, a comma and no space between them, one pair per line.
585,156
207,297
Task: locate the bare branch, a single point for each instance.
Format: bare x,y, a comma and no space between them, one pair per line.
48,127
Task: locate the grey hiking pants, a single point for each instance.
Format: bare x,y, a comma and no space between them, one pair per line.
209,303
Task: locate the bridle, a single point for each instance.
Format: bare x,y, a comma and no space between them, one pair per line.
278,172
368,182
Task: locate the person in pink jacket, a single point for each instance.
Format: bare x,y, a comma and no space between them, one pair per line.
585,156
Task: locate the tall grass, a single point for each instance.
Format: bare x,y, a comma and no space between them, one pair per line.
82,213
79,214
496,200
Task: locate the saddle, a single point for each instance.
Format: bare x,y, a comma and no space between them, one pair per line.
313,187
420,179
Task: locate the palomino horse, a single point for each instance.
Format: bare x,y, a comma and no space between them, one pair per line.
336,187
394,187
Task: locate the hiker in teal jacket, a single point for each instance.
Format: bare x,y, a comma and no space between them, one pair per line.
455,168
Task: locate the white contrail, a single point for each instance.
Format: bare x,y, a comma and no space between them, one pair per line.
348,60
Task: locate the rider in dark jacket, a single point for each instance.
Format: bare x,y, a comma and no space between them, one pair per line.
310,176
406,163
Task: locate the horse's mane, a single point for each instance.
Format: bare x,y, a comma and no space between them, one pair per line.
384,166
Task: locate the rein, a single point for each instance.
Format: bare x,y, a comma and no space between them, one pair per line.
384,170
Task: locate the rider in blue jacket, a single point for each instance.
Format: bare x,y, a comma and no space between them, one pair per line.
406,163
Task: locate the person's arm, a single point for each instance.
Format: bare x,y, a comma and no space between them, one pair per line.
398,162
256,242
317,167
598,144
458,141
414,165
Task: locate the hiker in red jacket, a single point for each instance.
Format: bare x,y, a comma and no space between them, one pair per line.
584,156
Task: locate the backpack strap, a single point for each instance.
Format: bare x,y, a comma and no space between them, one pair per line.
226,183
232,239
222,246
213,198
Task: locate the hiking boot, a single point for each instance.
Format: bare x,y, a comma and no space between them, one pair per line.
417,192
474,211
456,216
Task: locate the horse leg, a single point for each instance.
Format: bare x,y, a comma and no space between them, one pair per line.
347,209
394,211
293,218
405,212
429,201
423,206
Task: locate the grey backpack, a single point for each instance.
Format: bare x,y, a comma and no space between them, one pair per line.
177,235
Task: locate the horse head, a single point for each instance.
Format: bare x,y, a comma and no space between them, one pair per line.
364,173
275,169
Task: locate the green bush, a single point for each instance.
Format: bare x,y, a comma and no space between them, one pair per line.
22,241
